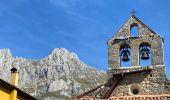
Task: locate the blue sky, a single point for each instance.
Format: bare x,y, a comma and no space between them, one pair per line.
33,28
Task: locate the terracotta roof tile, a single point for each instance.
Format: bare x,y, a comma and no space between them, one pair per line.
135,97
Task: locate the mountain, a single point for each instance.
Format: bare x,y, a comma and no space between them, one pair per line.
58,76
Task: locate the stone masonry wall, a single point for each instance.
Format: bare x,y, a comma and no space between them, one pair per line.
149,83
123,36
142,83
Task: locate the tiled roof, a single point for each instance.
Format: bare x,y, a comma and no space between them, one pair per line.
143,97
134,97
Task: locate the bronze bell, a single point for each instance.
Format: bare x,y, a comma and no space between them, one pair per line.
145,53
125,57
125,52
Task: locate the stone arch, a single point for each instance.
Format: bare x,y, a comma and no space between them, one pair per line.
134,30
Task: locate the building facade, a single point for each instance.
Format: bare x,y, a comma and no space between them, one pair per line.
135,65
146,45
10,91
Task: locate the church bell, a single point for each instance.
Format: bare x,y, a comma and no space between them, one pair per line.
125,57
125,54
145,53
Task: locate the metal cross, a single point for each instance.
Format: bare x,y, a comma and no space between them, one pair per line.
133,12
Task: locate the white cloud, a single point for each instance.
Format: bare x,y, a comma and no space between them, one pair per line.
74,8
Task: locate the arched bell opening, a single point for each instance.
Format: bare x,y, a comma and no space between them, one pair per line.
145,54
125,56
134,30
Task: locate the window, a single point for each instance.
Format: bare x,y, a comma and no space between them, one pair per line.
134,89
134,30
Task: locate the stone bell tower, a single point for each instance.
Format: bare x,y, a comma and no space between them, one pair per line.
124,47
135,79
124,39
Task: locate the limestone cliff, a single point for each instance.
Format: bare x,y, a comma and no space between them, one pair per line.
60,75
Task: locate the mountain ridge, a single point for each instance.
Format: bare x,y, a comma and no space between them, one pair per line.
60,75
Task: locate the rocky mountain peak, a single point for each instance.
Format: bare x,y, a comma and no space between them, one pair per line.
5,53
60,75
62,53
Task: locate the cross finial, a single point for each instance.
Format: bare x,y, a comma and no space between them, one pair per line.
133,12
